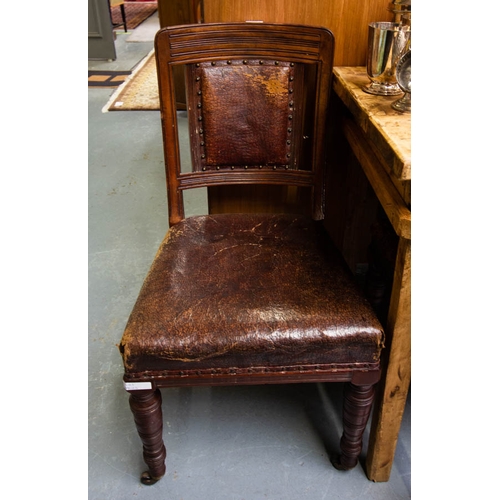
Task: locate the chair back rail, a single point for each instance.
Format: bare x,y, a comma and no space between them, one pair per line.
257,101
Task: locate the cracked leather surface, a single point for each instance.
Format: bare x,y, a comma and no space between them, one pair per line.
248,290
245,114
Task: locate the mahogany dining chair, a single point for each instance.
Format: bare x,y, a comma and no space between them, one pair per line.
248,298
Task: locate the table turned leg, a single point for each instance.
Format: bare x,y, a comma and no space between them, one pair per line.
357,406
146,407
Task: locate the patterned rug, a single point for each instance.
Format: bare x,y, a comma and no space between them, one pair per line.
135,14
107,79
139,92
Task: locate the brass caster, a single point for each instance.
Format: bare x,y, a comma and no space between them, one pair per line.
148,479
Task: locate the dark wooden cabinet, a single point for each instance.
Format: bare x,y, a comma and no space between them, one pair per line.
172,13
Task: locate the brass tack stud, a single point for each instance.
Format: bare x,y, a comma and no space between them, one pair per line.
288,155
202,143
289,142
290,91
200,118
260,166
232,167
292,78
229,62
292,64
245,61
289,130
204,168
198,78
287,167
213,63
201,131
276,63
261,62
290,117
199,105
203,157
217,167
274,168
199,92
197,65
246,167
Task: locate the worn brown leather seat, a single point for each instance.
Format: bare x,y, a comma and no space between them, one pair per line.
248,298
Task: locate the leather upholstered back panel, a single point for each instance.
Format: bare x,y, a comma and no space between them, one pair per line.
243,114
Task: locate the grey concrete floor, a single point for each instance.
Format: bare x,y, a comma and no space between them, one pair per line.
265,442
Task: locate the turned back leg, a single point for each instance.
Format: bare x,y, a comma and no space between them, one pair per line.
146,407
357,406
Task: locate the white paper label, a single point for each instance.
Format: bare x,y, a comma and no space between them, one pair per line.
137,386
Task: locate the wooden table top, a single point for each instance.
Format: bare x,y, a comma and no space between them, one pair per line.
387,128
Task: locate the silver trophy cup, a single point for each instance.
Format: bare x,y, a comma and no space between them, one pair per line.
386,41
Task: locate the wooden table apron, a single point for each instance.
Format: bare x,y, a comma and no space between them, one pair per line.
380,139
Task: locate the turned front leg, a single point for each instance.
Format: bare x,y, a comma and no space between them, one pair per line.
146,407
357,406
